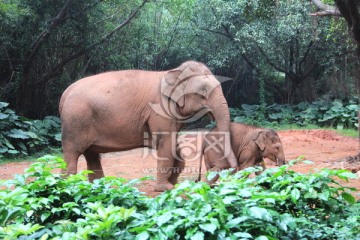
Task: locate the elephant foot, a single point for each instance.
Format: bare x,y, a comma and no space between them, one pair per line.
162,187
173,180
93,176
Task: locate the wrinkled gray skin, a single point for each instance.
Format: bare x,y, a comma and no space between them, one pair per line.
114,111
250,144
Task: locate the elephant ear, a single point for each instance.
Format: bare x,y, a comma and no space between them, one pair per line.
260,140
173,84
171,87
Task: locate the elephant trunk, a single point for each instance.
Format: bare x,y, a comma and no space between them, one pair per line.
220,112
280,159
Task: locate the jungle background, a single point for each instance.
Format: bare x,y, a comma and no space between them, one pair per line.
278,51
290,61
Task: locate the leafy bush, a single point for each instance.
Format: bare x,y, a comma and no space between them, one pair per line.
322,113
19,135
44,203
278,204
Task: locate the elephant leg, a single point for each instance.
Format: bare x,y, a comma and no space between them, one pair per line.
93,164
179,165
71,159
165,163
164,171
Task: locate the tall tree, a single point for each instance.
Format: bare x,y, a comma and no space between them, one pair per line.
58,34
276,38
349,9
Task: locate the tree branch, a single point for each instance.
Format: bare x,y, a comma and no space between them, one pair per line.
326,10
311,43
123,24
56,69
350,11
216,32
46,33
270,62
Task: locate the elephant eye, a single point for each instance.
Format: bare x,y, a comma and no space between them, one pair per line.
203,92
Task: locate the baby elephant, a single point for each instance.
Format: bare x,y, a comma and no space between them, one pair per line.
250,144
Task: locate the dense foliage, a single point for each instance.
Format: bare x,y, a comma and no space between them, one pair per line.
338,114
274,51
278,204
19,135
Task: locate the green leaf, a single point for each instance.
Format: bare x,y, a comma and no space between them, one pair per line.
57,137
347,174
13,151
295,195
8,144
275,116
126,213
180,212
229,199
197,236
210,175
311,193
45,216
348,197
240,119
235,221
262,238
260,213
209,227
142,236
308,162
249,107
164,218
324,195
3,104
18,133
22,146
3,116
3,149
243,235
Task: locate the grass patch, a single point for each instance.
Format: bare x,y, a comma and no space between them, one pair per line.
343,132
293,127
347,132
32,157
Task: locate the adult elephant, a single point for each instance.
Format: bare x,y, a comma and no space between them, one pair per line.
122,110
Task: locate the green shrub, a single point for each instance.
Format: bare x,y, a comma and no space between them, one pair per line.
19,135
338,114
46,203
277,204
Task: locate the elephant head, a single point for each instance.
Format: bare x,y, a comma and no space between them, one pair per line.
189,86
270,145
191,91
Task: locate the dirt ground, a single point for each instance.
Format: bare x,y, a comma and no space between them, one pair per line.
324,148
